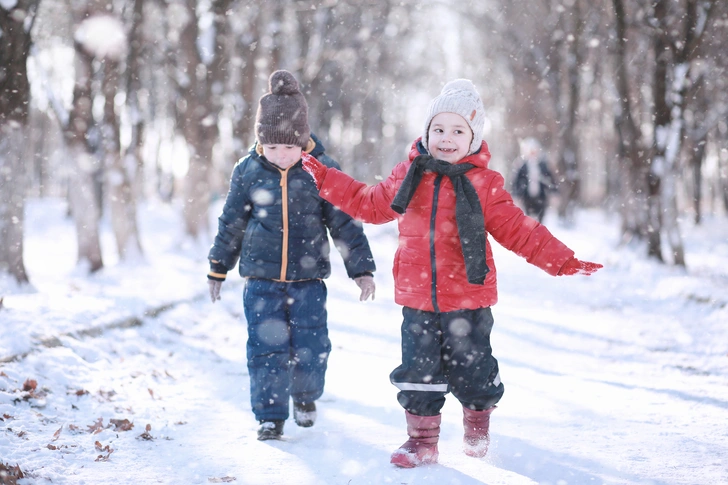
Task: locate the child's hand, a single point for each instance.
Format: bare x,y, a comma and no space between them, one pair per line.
366,283
315,168
574,266
214,289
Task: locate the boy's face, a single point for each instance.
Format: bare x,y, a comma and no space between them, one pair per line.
282,156
449,137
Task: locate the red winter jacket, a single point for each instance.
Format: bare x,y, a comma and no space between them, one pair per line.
428,235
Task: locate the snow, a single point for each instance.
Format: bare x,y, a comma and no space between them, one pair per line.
616,378
8,4
103,36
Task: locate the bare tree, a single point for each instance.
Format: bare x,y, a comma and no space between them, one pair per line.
243,72
16,23
99,44
568,158
543,45
697,144
199,75
82,142
677,35
348,67
631,153
124,172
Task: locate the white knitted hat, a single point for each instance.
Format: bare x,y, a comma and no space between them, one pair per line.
459,97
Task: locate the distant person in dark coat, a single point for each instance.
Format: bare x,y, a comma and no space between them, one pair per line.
276,223
534,181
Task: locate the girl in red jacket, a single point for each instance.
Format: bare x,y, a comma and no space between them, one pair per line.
446,201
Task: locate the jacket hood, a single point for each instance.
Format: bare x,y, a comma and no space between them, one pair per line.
479,158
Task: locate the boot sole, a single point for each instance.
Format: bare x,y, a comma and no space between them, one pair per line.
408,460
266,437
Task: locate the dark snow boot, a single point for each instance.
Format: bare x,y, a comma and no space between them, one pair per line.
304,414
476,438
270,430
421,447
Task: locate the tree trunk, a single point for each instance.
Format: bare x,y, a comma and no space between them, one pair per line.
202,94
671,83
15,26
84,163
570,188
696,169
246,104
134,62
365,155
724,182
119,172
699,143
629,150
12,200
190,115
275,32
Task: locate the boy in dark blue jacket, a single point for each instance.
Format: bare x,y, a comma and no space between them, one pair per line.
276,223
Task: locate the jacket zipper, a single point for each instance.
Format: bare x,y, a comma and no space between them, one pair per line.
284,208
433,259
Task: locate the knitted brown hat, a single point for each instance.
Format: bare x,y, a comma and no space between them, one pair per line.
282,117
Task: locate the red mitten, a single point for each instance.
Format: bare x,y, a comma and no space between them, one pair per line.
574,266
315,168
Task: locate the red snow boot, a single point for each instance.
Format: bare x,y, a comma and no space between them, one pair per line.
476,438
421,447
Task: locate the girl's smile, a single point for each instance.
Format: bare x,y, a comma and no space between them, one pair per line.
449,137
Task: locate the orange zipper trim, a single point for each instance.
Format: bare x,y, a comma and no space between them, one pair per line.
284,207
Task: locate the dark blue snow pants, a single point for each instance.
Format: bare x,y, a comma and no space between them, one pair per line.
288,344
446,352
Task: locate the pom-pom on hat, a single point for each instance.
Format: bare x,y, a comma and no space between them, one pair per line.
459,97
282,117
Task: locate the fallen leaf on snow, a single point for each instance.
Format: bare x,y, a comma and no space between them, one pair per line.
9,474
145,435
100,447
30,385
121,424
97,427
107,395
107,449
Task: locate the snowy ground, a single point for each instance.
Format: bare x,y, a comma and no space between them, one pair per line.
132,376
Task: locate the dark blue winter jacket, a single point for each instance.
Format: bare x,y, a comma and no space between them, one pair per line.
275,222
546,182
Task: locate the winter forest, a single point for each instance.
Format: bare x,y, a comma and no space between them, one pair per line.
110,103
108,107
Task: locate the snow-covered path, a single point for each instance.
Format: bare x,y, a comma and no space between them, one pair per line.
618,378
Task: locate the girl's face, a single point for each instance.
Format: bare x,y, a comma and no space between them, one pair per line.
449,137
282,156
